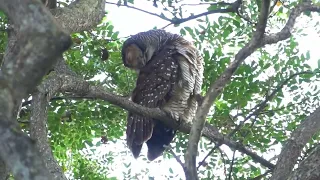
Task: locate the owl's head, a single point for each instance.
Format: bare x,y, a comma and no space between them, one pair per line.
139,48
133,57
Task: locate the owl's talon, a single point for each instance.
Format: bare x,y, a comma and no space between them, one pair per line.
177,117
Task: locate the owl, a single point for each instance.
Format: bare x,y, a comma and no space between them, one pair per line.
170,72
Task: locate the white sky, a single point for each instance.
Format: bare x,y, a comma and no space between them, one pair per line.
128,22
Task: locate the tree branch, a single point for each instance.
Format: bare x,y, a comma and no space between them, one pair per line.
40,43
293,147
20,154
73,18
216,89
285,33
80,15
38,125
231,165
233,8
212,4
83,89
176,157
141,10
213,134
309,168
259,107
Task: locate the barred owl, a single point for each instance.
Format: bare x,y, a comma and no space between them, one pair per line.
170,77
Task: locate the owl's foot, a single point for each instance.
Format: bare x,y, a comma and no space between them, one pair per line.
175,116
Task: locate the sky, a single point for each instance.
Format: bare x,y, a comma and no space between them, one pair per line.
128,22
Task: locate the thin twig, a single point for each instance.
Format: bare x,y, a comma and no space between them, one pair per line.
212,4
176,157
231,165
233,8
222,154
166,26
150,13
259,107
210,152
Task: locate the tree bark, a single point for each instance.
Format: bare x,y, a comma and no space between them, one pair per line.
38,44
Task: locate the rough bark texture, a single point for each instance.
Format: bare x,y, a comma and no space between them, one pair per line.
38,129
309,169
292,149
39,44
80,15
4,171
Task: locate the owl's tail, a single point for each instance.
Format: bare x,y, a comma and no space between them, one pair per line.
139,130
161,137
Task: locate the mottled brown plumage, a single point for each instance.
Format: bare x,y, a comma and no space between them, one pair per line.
170,78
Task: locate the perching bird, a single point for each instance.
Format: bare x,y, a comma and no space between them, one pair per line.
170,77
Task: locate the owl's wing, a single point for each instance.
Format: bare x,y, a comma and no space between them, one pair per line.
153,87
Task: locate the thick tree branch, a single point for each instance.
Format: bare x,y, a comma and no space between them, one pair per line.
40,43
83,89
216,89
309,168
4,171
292,149
20,154
38,122
61,67
80,15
